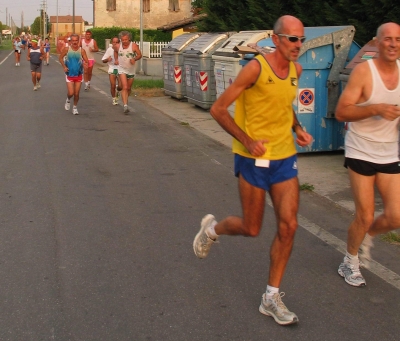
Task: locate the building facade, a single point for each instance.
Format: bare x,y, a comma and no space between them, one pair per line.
66,24
126,13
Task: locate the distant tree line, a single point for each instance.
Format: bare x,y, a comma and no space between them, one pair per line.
239,15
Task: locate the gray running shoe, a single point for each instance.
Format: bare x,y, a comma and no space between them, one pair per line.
364,253
67,105
276,308
351,273
126,109
202,243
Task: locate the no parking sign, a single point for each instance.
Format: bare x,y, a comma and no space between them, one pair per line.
306,100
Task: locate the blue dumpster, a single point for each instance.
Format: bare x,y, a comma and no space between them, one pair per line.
323,55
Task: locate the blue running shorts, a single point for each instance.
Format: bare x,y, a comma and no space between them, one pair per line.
265,177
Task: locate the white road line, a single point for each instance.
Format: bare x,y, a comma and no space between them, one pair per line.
376,268
6,57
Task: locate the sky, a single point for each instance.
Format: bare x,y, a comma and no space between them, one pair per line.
31,9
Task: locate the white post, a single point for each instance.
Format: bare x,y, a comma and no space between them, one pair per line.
141,37
57,28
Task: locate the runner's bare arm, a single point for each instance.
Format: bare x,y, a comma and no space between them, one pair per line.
355,92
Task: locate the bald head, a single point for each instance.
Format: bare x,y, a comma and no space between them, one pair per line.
283,24
386,29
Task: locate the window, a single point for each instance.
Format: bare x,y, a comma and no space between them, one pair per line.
146,5
173,5
111,5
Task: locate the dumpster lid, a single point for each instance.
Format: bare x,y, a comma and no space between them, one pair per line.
368,51
241,38
181,42
206,42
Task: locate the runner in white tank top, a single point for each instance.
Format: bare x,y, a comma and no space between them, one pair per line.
375,139
128,54
371,103
90,46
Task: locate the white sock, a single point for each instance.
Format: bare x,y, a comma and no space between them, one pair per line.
211,231
368,240
271,291
352,259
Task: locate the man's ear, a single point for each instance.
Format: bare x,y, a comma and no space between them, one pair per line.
275,40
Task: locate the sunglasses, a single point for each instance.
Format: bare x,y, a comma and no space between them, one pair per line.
292,39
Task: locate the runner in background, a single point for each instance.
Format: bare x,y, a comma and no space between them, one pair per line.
128,54
36,55
73,67
17,50
46,46
113,69
90,46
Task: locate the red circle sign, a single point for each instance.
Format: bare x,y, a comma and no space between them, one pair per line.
306,97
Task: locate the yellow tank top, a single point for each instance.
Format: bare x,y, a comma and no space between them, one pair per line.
264,111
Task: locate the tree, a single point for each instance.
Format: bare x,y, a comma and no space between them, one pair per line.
238,15
35,27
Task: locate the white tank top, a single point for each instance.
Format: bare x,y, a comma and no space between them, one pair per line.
124,56
375,139
86,46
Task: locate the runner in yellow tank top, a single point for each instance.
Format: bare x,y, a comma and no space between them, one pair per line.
265,156
264,111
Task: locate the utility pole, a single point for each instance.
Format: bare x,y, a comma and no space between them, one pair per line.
141,37
57,27
73,16
44,20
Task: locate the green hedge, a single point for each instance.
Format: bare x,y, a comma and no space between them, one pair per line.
100,34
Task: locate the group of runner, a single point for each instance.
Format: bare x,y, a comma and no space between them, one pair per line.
77,60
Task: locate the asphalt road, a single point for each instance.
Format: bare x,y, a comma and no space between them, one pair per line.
98,215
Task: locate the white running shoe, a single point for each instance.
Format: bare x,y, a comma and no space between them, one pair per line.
276,308
126,109
67,105
38,85
35,88
351,273
75,111
86,88
115,101
202,242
